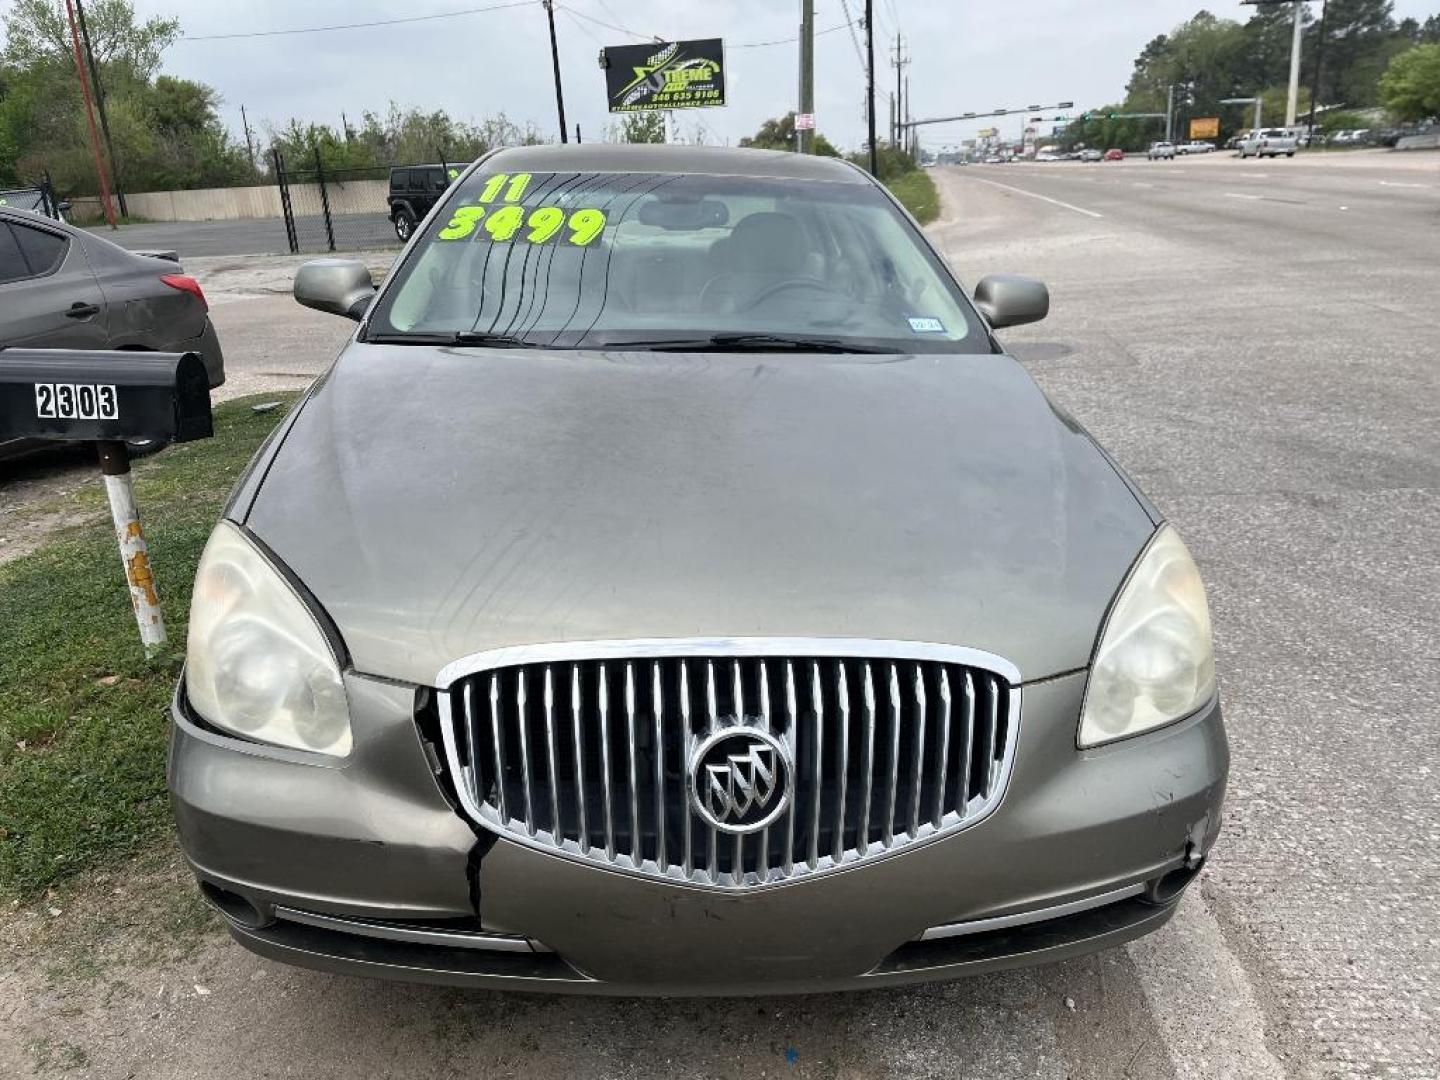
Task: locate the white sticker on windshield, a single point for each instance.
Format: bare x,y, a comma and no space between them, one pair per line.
926,325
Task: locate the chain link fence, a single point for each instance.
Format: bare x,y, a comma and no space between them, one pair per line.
39,199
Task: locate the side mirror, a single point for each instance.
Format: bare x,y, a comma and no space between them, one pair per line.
63,206
338,286
1010,300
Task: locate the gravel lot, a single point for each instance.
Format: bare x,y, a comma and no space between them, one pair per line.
1256,343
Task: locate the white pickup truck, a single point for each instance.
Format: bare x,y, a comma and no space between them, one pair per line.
1268,142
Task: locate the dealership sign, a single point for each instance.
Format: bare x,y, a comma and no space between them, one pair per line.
668,75
1205,127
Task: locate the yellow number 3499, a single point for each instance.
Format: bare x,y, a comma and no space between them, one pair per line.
505,223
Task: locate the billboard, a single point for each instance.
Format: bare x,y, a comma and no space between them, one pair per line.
1205,127
667,75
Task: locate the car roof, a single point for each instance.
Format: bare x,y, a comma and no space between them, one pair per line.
653,158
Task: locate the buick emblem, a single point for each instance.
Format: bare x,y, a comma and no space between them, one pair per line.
740,779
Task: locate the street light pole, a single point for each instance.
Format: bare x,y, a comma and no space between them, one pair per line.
555,59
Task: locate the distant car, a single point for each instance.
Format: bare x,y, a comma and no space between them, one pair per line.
1048,155
1114,154
1268,142
414,189
994,159
1091,155
1195,146
65,288
1161,151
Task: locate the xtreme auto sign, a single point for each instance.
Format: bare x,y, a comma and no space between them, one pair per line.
667,75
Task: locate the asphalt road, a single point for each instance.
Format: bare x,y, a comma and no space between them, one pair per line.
263,236
1257,344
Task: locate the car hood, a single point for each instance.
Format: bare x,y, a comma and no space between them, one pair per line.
440,502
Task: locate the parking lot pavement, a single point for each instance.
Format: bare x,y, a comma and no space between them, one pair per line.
1259,351
1279,401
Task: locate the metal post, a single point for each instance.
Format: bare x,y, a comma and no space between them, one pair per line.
1258,103
115,465
287,209
1292,100
807,72
870,81
90,118
1170,114
577,134
555,60
324,200
100,104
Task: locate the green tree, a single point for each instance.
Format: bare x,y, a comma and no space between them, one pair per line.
779,134
38,33
1410,86
640,127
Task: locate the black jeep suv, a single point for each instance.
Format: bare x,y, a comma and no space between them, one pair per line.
414,189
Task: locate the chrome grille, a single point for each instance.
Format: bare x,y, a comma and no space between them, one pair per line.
586,749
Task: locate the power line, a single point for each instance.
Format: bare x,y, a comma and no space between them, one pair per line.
785,41
854,37
360,25
609,26
729,45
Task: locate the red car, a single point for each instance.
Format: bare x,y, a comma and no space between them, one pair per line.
1114,155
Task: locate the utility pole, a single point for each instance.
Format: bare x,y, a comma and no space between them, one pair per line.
1315,80
555,60
806,136
901,61
911,141
100,103
870,80
249,144
1170,114
90,118
1292,100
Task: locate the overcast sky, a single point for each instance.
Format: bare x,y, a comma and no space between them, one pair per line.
966,56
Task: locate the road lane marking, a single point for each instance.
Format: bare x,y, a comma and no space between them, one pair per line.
1237,195
1037,195
1138,183
1399,183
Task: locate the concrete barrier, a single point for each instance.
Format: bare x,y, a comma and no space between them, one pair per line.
242,203
1428,141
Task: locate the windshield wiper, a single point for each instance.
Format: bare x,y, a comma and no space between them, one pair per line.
739,342
458,337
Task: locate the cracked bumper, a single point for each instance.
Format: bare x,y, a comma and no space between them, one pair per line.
375,838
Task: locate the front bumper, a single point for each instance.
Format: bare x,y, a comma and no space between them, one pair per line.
374,839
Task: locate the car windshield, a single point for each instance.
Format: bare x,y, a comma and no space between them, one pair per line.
595,260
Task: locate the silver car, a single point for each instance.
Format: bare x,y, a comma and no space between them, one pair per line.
673,588
64,288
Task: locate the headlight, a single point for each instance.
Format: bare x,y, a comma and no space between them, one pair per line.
1155,663
257,662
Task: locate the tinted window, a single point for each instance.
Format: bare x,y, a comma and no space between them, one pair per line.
12,263
43,250
400,179
437,179
586,260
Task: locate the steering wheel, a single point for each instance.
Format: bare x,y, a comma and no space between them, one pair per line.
790,284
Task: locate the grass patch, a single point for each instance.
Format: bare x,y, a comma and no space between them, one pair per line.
917,191
83,713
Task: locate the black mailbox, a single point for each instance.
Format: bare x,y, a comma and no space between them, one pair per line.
103,396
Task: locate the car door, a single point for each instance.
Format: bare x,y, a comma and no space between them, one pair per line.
48,295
